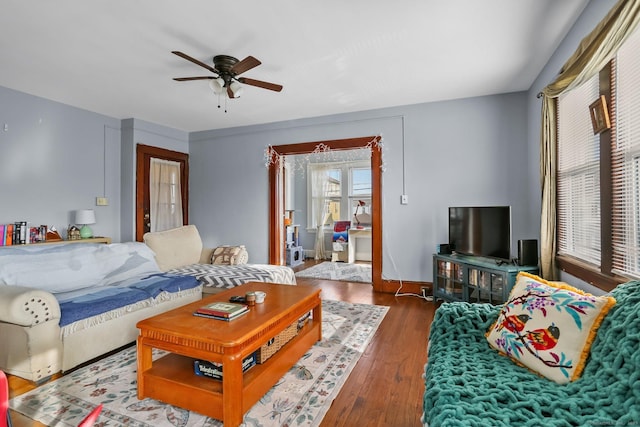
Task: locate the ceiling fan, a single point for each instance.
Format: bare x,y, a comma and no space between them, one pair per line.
227,69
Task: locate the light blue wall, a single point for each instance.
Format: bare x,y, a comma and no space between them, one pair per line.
463,152
55,159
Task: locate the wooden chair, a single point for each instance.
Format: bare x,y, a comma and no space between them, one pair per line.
5,416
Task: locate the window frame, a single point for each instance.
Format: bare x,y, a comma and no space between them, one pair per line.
346,196
601,276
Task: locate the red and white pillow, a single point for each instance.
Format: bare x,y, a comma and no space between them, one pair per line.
548,326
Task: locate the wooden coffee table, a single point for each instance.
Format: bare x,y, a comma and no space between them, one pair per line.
186,337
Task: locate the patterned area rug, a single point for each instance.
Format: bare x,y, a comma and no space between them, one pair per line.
338,271
301,398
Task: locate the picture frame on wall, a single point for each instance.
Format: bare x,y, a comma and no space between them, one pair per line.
599,115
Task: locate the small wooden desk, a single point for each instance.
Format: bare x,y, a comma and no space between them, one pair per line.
354,235
171,378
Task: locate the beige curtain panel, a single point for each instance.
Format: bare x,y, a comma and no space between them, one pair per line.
593,53
165,196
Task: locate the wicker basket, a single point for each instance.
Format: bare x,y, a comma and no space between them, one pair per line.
276,343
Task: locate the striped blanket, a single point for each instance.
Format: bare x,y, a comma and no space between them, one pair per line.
229,276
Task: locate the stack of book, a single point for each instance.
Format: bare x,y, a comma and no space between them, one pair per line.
20,233
222,310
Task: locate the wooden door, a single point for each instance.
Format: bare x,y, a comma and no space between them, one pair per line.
144,154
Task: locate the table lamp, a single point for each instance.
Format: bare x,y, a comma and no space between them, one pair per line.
85,217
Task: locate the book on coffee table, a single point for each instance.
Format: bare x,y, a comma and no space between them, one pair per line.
212,316
222,309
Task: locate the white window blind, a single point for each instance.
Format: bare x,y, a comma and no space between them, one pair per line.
578,175
626,158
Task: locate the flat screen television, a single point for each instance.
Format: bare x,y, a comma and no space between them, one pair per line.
481,231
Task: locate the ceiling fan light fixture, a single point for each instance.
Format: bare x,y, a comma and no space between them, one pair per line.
217,85
236,88
225,81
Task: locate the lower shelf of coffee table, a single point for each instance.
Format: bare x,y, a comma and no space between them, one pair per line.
172,378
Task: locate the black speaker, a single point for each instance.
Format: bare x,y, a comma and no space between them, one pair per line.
444,249
528,252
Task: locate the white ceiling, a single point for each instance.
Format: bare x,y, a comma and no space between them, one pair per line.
114,56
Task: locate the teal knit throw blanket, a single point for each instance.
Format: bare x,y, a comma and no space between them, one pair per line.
469,384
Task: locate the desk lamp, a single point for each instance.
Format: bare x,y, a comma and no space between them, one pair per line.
85,217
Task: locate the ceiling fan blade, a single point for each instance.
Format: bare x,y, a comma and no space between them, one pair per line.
195,61
184,79
259,83
230,93
245,65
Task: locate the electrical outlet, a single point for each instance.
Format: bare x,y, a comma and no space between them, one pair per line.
102,201
425,291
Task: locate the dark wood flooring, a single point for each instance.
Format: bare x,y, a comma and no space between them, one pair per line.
386,386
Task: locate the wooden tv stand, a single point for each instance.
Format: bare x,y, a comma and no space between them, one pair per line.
474,279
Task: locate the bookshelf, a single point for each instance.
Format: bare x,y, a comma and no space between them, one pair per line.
105,240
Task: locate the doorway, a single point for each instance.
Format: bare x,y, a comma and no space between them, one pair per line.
144,154
277,191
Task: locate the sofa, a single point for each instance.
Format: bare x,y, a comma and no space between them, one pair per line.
469,383
181,251
64,304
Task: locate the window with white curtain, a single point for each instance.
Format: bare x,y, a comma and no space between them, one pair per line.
348,183
599,175
165,195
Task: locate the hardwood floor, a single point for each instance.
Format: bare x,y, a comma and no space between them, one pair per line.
386,386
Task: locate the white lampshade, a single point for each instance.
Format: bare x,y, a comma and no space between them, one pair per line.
217,85
236,88
85,216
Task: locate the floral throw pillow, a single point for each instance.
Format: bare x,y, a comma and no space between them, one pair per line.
548,326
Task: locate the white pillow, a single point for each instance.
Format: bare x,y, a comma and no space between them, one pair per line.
175,248
548,326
